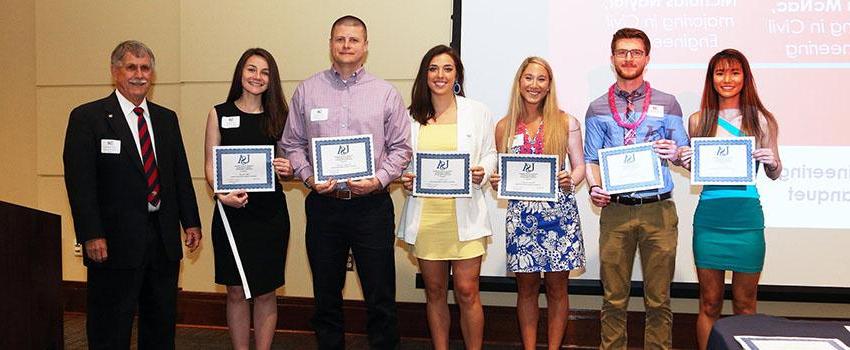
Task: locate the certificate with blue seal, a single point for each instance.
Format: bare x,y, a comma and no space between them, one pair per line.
246,168
723,161
530,177
441,174
631,168
343,158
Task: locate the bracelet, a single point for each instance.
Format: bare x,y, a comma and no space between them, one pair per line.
590,190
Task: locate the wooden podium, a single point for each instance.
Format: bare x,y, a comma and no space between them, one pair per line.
30,278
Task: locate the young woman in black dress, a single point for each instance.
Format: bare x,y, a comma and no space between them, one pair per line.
254,114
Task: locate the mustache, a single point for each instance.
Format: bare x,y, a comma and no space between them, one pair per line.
138,81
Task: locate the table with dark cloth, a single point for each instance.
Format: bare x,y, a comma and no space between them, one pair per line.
723,334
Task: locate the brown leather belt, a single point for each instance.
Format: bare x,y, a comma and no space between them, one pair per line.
347,194
639,200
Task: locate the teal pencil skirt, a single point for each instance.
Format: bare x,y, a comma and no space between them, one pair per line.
729,235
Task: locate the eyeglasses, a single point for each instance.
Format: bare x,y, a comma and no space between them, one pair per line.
622,53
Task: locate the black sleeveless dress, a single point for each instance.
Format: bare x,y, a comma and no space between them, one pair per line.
261,228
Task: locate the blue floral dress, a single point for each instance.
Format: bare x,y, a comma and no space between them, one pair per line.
543,236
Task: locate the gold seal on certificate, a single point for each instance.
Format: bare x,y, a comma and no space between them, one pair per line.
723,161
529,177
442,174
343,158
630,168
246,168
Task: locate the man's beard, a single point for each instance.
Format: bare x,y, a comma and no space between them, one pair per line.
623,75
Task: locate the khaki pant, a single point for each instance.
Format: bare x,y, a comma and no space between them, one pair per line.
651,228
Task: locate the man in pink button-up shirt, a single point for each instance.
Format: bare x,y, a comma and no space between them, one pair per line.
357,215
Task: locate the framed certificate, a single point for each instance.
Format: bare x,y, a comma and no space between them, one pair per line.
723,161
630,168
530,177
757,342
343,158
442,174
246,168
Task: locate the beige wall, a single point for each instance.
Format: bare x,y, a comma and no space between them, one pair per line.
196,43
18,181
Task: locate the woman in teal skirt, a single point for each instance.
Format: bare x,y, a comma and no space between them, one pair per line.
729,222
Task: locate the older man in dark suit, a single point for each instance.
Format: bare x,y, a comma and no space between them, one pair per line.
130,190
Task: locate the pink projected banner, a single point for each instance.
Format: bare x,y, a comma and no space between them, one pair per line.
799,51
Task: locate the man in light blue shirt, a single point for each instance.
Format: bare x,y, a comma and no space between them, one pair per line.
632,112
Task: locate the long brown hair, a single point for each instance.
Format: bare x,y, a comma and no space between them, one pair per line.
274,105
421,108
555,128
749,102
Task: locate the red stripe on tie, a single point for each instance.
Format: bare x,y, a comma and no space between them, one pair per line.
148,157
146,145
153,177
148,163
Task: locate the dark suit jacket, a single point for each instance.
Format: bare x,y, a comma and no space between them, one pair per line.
108,192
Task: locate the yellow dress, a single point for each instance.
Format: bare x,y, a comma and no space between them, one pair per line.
438,238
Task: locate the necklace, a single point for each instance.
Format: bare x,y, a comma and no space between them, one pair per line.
613,105
531,145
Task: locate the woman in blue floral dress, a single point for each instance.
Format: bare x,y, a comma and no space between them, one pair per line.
542,236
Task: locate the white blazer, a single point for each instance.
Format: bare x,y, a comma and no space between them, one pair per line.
475,134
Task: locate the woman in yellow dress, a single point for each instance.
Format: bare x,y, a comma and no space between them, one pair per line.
449,232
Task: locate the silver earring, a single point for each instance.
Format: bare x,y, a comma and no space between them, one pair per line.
456,88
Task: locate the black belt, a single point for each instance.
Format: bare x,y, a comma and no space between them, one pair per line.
347,194
640,200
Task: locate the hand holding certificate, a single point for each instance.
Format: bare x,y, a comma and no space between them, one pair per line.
630,168
723,161
246,168
343,158
442,174
528,177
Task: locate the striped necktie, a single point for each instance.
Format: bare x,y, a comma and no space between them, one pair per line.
151,172
631,134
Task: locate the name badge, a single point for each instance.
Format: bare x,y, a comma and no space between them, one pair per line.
108,146
318,114
230,122
655,111
518,140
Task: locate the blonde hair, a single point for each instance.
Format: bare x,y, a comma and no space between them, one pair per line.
555,127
